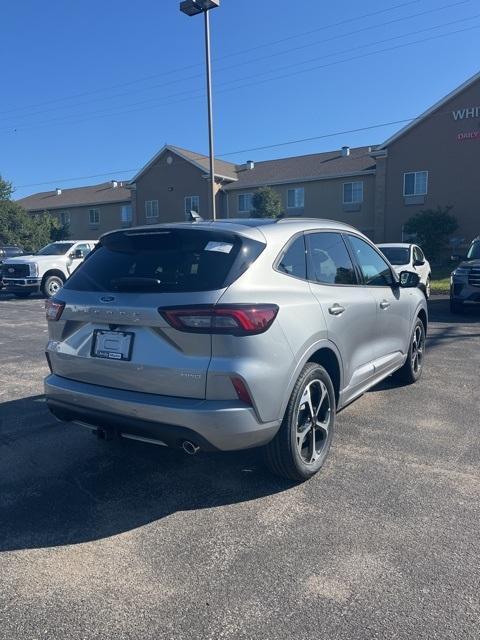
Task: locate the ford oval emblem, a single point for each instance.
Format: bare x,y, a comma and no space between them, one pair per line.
107,299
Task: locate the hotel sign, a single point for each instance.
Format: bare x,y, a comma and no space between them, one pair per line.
465,114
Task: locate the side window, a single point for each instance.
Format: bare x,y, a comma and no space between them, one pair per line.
293,261
84,248
418,254
375,270
328,259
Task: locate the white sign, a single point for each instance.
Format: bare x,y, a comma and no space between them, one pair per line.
466,113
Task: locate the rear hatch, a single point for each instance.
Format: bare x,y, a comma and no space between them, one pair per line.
111,332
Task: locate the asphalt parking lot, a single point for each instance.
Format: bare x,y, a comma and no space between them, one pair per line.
124,540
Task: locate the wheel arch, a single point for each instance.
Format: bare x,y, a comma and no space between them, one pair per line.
53,272
422,314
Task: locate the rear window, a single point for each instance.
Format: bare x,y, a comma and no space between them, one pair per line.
173,260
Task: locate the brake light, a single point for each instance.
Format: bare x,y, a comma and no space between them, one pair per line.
239,320
54,309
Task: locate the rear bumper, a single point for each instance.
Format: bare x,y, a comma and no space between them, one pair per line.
224,425
22,284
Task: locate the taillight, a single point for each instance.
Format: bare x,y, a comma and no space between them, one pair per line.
54,309
241,320
241,390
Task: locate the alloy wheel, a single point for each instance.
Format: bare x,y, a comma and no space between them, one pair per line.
418,347
313,421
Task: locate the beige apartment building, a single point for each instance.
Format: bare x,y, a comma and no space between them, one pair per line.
88,211
433,161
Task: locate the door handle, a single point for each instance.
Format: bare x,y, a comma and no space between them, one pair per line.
336,309
384,304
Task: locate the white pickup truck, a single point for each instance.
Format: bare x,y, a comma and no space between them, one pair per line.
47,270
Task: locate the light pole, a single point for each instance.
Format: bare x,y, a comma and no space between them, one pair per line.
193,8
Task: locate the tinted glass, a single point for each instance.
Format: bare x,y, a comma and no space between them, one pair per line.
328,259
474,251
293,261
56,249
396,255
375,270
174,260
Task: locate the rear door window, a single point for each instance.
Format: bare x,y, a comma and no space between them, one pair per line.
328,259
293,259
170,260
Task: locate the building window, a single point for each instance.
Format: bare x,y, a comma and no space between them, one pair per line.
94,217
151,208
296,198
126,214
352,192
192,203
245,202
415,183
64,217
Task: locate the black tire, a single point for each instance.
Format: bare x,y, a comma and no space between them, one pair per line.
413,367
456,307
51,285
284,454
427,290
22,294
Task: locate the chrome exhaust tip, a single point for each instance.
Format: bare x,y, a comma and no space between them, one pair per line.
190,448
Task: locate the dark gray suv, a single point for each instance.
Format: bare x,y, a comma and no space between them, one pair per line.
465,280
230,335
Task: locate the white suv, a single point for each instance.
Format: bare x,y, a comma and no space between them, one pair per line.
45,271
409,257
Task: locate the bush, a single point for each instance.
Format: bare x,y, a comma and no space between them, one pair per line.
266,203
432,229
17,227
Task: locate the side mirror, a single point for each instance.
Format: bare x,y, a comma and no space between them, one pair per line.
77,254
409,280
418,263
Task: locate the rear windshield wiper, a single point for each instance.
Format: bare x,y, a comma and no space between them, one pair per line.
131,283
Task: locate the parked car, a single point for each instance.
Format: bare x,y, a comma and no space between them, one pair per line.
47,270
465,279
231,335
404,256
8,252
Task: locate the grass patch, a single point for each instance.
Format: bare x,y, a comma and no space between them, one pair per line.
440,282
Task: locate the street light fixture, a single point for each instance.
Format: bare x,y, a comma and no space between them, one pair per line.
193,8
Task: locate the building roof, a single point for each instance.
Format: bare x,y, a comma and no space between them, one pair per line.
316,166
225,170
453,94
103,193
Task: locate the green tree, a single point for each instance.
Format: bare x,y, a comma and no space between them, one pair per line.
433,228
17,227
266,203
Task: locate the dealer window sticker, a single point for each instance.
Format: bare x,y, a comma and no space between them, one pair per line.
221,247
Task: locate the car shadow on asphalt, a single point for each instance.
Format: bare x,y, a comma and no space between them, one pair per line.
60,485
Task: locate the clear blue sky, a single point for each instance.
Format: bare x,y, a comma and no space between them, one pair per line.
96,87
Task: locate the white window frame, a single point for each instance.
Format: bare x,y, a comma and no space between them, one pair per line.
64,217
353,201
415,192
126,214
151,209
187,209
95,220
299,203
244,195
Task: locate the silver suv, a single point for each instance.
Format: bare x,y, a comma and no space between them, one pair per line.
232,334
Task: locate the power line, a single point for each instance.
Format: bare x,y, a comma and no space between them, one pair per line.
269,56
240,52
109,113
238,151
